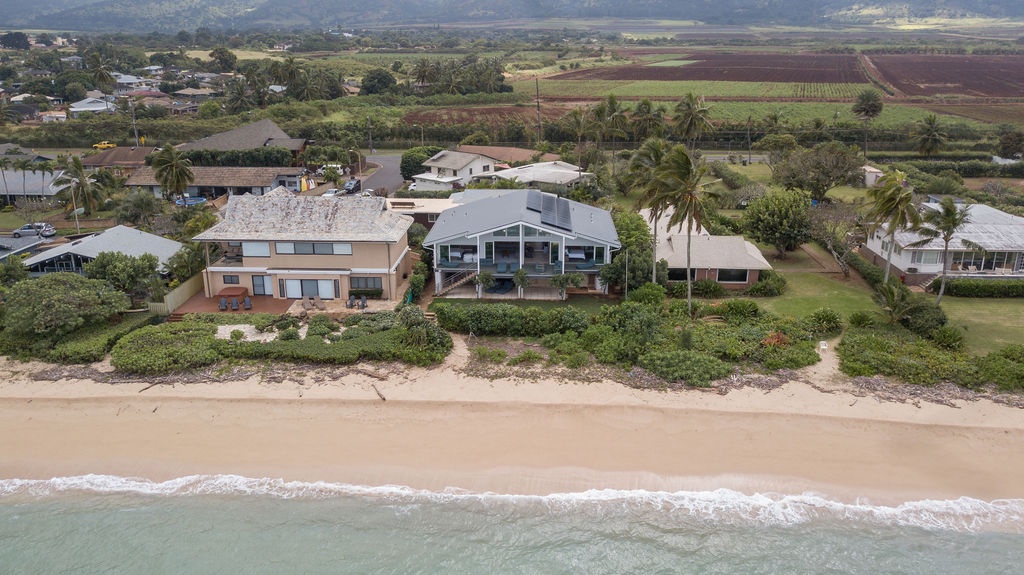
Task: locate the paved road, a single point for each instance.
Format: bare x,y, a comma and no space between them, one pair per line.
388,175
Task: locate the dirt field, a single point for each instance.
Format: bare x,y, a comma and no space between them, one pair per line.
936,74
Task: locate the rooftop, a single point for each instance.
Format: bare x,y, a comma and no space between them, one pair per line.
220,176
450,160
992,229
122,239
712,252
255,135
509,154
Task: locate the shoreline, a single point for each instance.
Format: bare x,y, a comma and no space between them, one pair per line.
440,428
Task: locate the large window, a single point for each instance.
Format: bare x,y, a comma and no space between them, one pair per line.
925,257
313,248
365,283
679,274
231,280
256,249
732,276
295,289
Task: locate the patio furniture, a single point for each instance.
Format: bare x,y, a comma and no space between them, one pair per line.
234,304
513,268
351,303
223,306
307,303
502,268
585,265
540,268
362,302
319,303
247,302
486,262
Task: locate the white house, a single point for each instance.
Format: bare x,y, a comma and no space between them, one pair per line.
871,175
555,173
999,234
92,105
449,170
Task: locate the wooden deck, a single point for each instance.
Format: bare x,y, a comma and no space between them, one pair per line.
260,304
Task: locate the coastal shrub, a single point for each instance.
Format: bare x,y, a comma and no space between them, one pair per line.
489,354
288,334
320,325
925,317
861,319
738,310
257,320
824,322
948,337
648,294
770,284
967,287
576,360
166,348
237,335
901,354
527,357
795,356
694,368
92,343
708,288
1003,368
287,322
510,320
352,320
732,179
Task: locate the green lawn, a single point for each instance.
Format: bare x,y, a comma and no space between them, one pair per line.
589,304
988,323
809,291
10,221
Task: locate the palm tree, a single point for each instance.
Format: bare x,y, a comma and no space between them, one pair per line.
578,123
8,115
238,99
611,119
892,206
647,121
101,68
867,107
44,168
24,165
642,167
679,175
76,183
928,135
944,223
692,118
139,208
173,170
5,164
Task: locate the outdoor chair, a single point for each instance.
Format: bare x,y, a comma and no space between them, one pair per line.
234,304
247,302
351,303
502,267
540,268
307,303
513,268
362,302
223,306
319,303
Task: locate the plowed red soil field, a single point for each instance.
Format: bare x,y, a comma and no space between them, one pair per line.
811,68
968,75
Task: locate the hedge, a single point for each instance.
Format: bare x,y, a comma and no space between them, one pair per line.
166,348
93,344
970,287
510,320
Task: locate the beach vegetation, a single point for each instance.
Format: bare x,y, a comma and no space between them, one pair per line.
59,303
527,357
824,321
166,348
489,354
694,368
288,334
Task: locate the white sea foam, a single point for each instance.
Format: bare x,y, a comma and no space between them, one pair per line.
717,506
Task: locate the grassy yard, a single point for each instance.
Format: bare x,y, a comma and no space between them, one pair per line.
589,304
809,291
988,323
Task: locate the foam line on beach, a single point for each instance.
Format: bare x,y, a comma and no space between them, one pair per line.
722,506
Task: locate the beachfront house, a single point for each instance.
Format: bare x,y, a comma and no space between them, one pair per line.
999,234
71,256
508,230
289,247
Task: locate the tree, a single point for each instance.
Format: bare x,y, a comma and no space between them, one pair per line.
631,266
173,170
59,303
896,301
24,165
224,59
642,167
867,107
5,164
692,118
12,270
928,135
377,81
818,169
237,98
131,275
647,121
837,224
76,183
781,218
413,158
943,224
892,206
1011,144
582,126
8,115
186,262
680,177
563,281
521,279
102,70
777,147
138,207
15,41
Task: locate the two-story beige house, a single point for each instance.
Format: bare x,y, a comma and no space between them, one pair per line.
288,246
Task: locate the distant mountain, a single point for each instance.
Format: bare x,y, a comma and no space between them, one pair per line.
174,15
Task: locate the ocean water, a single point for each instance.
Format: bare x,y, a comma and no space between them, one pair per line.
229,524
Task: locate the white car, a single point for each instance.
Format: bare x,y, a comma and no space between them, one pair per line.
412,186
332,192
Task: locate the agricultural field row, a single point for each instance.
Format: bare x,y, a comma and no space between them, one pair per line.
671,90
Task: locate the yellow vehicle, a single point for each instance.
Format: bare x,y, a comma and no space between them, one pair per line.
104,145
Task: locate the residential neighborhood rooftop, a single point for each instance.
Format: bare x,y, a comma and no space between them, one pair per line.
992,229
255,135
219,176
122,239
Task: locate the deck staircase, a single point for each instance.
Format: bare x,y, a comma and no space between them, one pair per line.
457,279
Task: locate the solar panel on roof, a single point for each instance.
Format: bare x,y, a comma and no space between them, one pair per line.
534,201
564,219
549,211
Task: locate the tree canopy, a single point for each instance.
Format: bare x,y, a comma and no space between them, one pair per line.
780,218
59,303
818,169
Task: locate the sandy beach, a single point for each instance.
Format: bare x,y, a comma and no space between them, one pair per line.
443,428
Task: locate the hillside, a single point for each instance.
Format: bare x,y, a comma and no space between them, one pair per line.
173,15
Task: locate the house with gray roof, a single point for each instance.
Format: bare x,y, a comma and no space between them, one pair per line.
731,261
289,247
999,235
215,181
250,136
555,173
71,256
509,230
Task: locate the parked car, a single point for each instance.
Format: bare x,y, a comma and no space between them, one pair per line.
330,193
104,145
37,229
352,186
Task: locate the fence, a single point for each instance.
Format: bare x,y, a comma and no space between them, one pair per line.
177,296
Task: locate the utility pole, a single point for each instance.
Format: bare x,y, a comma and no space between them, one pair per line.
369,125
540,126
135,127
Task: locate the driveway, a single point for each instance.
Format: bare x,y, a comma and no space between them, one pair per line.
388,176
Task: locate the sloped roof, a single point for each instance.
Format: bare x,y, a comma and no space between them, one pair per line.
120,156
451,160
476,217
561,173
219,176
712,252
128,241
292,144
992,229
280,215
246,137
663,229
508,154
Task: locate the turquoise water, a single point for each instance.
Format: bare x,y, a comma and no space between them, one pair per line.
228,524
